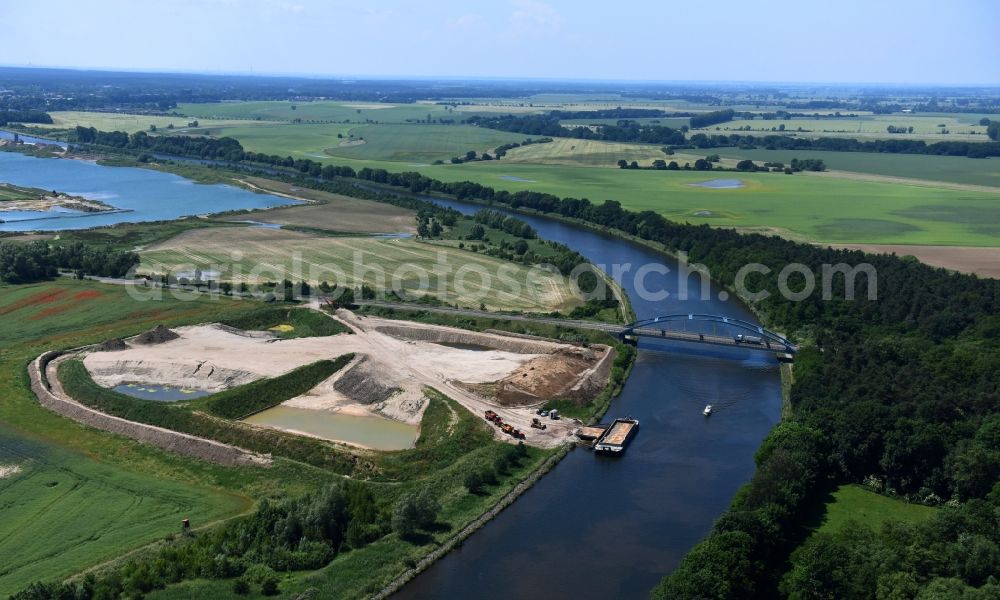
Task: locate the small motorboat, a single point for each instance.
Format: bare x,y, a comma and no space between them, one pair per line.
708,410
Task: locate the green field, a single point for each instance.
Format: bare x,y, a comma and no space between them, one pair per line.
925,127
824,209
63,512
855,503
951,169
352,112
127,122
837,208
82,496
383,263
13,192
567,151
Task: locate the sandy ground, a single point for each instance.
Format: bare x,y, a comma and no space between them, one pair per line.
386,378
984,262
9,470
59,201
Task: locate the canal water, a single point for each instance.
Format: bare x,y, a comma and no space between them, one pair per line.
140,194
611,527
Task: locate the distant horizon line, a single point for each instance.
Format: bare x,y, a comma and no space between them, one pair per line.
497,78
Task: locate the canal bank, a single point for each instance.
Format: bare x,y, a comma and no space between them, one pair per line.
679,475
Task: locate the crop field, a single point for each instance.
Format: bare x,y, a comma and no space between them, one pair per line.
66,510
420,143
450,274
63,512
929,128
952,169
351,112
126,122
854,503
594,153
332,212
822,209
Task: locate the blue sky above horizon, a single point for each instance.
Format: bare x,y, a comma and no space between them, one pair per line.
918,41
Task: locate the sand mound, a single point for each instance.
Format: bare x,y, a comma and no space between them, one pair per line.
202,375
157,335
115,345
363,384
554,375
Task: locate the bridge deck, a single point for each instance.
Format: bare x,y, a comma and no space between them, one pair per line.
617,330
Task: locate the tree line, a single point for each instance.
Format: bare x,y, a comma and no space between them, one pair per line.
624,130
24,116
37,261
711,118
830,144
181,145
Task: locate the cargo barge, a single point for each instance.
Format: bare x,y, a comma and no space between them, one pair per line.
616,437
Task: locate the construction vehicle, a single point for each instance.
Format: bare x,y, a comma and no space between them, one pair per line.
538,424
518,434
507,428
492,417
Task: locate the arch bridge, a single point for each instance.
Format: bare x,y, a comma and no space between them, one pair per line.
735,332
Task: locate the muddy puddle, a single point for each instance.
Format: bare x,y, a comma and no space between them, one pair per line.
371,432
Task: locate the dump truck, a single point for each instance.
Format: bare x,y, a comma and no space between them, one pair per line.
492,417
507,428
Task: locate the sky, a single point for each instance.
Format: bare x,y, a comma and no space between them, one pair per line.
859,41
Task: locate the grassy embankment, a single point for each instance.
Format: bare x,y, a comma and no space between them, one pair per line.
288,323
222,408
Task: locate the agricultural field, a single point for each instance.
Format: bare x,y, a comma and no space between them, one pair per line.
418,143
63,511
320,111
68,509
854,503
330,212
127,122
402,264
801,206
863,127
592,153
951,169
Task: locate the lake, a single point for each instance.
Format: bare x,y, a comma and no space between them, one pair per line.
140,194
